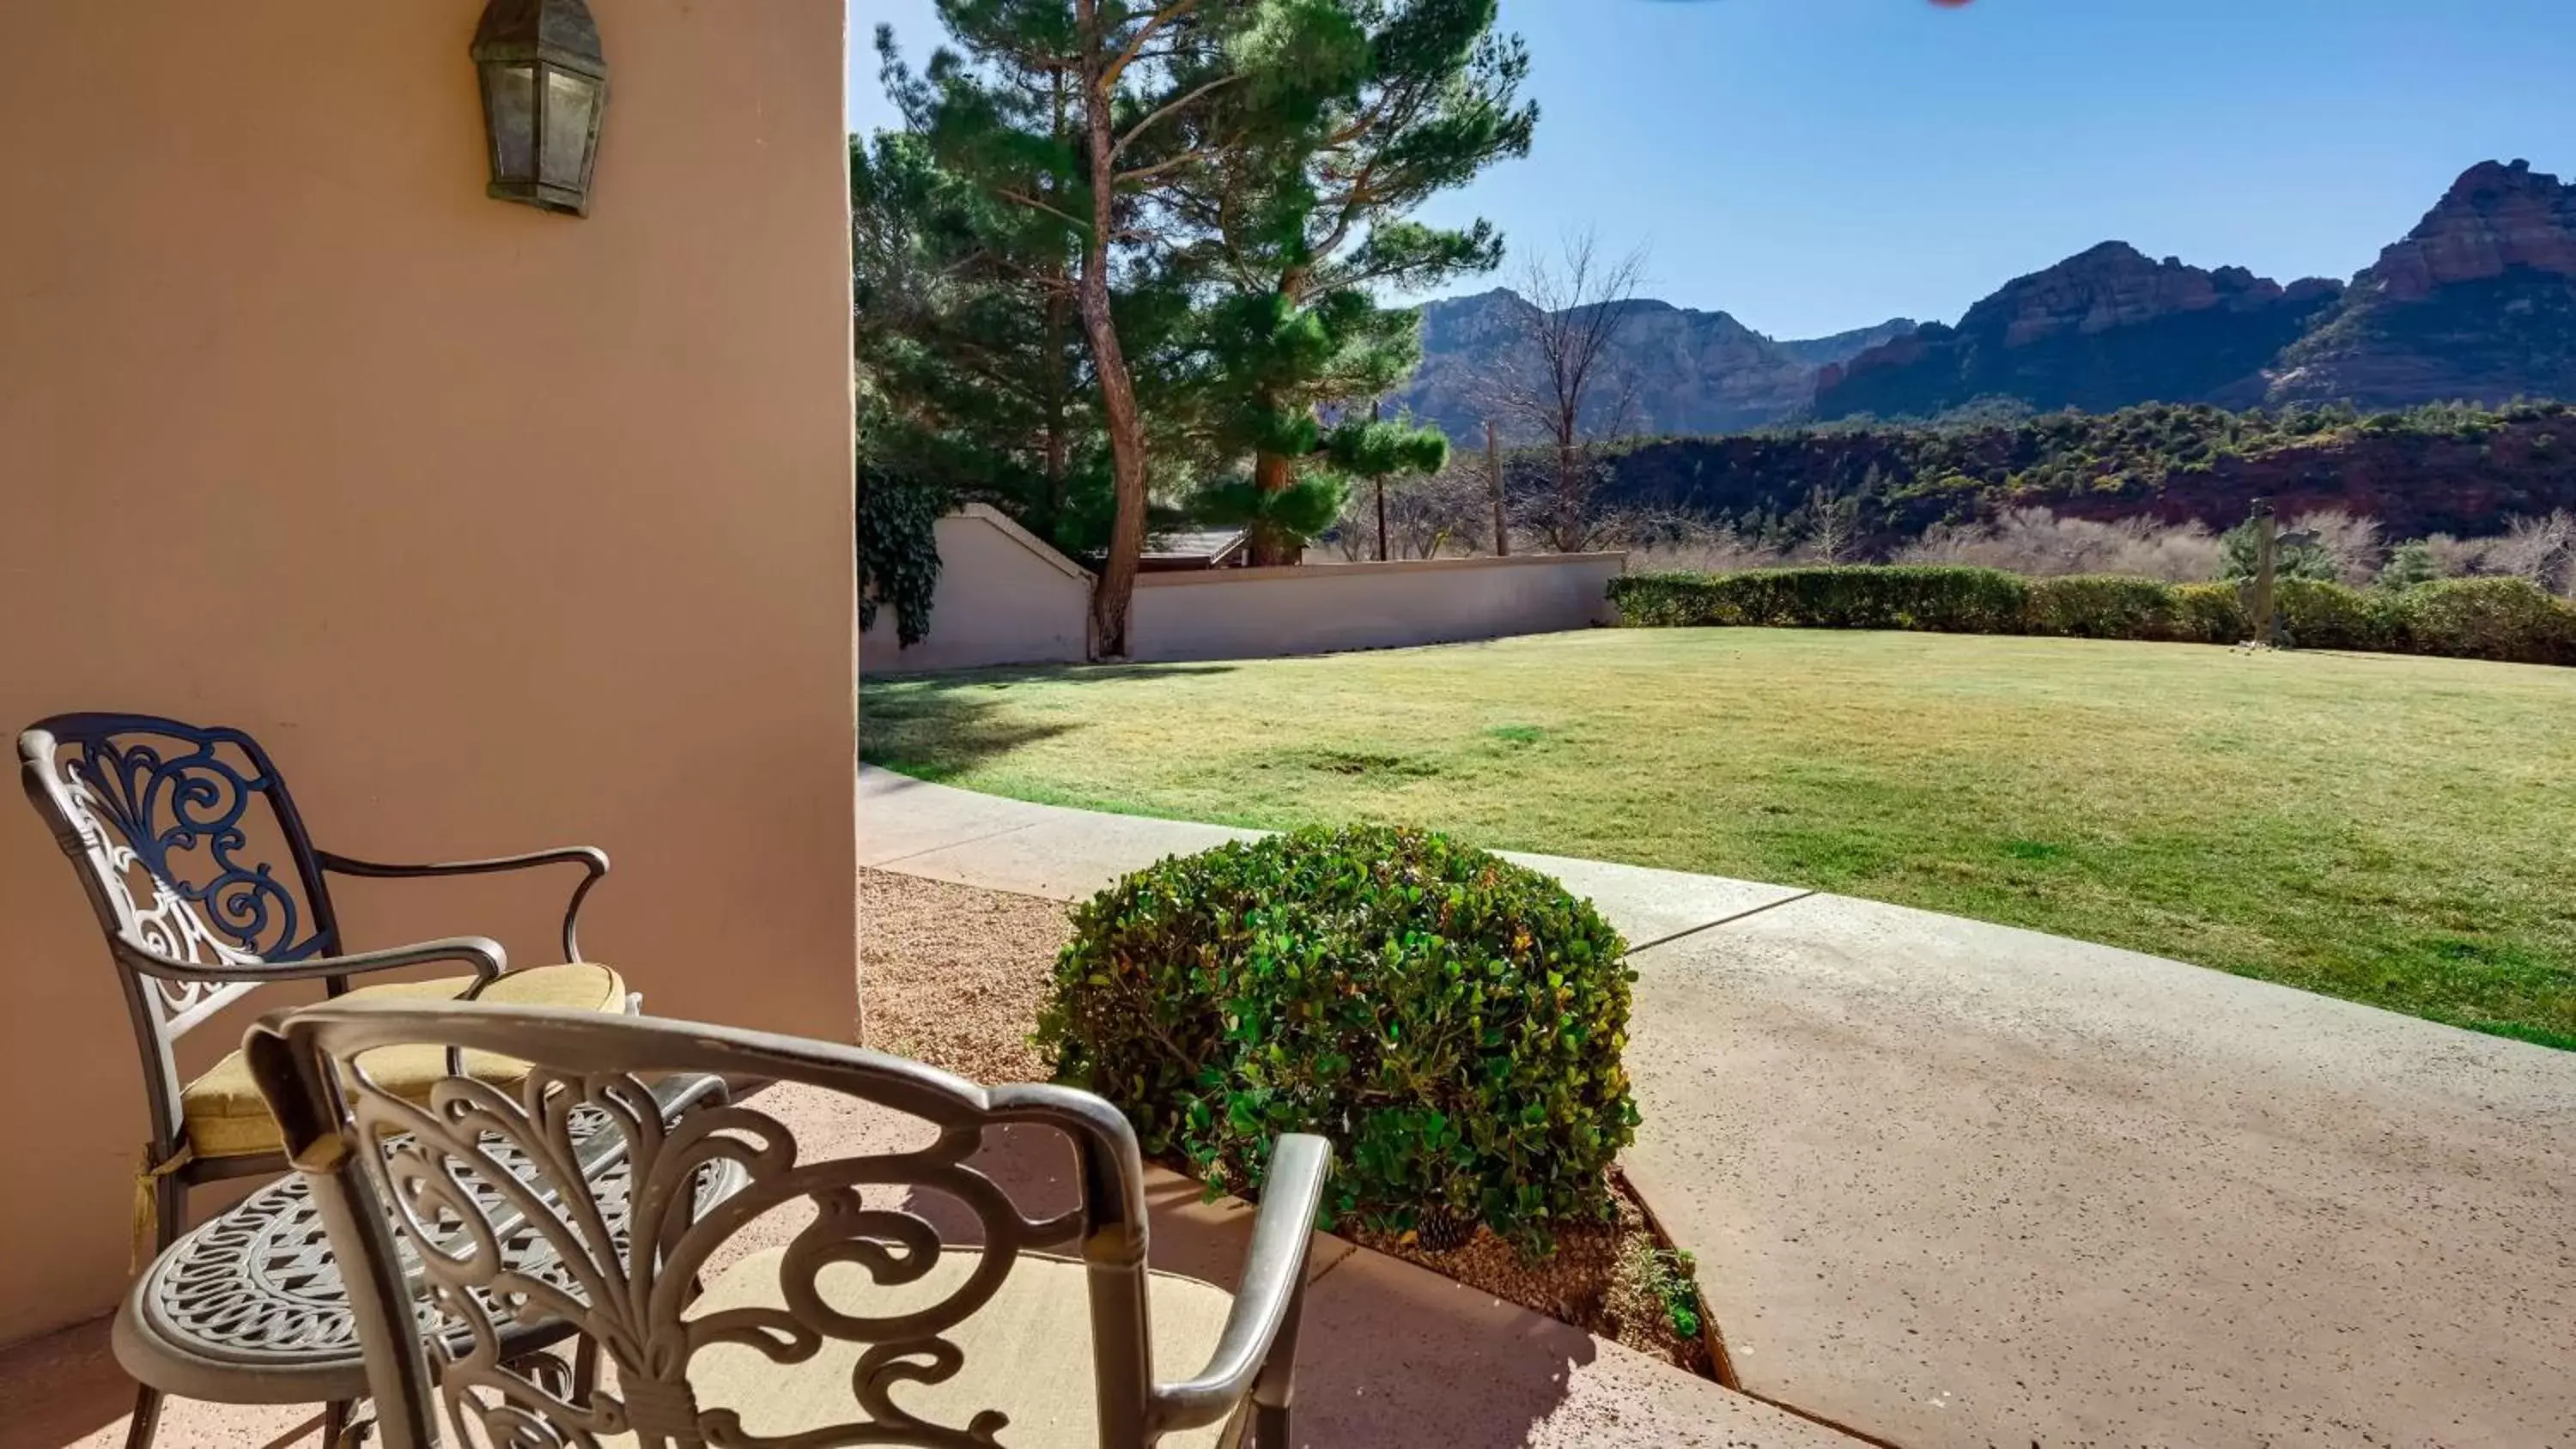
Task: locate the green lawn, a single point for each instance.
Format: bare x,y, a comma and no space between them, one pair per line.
2394,830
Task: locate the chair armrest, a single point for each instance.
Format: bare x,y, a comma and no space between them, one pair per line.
480,952
593,859
1272,1292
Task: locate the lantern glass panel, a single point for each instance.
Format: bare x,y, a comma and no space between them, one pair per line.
571,102
513,102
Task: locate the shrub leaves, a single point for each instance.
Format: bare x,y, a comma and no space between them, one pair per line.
1451,1021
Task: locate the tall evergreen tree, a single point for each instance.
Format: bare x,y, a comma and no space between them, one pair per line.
973,373
1137,80
1305,217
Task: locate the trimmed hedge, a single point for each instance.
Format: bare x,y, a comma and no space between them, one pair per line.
2099,606
2476,618
2511,619
1451,1021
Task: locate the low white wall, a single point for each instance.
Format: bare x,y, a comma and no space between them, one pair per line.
1321,608
1004,598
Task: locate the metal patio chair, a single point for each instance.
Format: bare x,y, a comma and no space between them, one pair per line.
202,877
865,1326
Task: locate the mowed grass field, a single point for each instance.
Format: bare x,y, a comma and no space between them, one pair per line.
2397,831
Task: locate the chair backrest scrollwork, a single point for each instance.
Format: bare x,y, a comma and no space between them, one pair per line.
399,1180
190,850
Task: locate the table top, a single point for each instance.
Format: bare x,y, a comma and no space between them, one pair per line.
249,1307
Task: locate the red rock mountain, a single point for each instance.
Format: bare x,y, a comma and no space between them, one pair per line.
2478,302
2494,218
1678,370
2100,330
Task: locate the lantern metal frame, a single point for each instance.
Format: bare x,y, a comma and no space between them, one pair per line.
538,40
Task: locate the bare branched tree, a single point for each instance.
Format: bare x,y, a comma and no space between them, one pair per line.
1565,387
2455,557
1833,528
2037,542
1550,507
1677,540
2538,549
2351,543
1443,514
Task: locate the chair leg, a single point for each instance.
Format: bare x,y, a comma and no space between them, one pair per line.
169,1221
146,1420
335,1423
1276,1384
169,1211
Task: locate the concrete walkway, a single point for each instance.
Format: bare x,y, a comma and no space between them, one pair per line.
1955,1184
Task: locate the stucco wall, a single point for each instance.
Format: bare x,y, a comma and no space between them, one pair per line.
1004,598
504,529
1265,613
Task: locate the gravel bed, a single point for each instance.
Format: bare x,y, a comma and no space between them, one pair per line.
953,976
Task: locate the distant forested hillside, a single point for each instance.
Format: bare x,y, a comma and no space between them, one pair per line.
2435,469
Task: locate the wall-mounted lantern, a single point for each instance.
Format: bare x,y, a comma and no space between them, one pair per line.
545,84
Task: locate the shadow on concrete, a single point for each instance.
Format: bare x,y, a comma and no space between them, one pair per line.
65,1391
1390,1356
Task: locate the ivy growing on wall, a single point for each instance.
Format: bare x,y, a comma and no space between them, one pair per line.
898,548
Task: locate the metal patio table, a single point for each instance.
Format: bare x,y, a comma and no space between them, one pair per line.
249,1307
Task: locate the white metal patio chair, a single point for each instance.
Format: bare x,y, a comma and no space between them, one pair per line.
865,1327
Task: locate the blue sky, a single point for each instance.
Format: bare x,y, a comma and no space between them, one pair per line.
1812,165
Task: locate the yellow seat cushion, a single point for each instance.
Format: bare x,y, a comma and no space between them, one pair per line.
227,1118
1027,1353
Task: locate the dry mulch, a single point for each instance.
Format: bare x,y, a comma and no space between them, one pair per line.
1581,1283
954,976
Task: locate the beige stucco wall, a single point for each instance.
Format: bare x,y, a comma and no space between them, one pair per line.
1004,597
1271,612
504,529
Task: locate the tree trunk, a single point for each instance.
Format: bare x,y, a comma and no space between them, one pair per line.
1059,379
1271,473
1376,412
1494,485
1566,502
1117,588
1275,473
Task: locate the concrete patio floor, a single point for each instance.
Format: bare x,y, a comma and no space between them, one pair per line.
1956,1184
1390,1357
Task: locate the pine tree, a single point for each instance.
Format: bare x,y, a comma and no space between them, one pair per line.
1304,216
1139,82
972,371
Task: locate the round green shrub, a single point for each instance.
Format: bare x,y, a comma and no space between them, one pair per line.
1453,1022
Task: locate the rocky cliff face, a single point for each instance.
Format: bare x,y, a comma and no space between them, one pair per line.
1690,371
2495,218
2113,285
2103,329
2477,302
